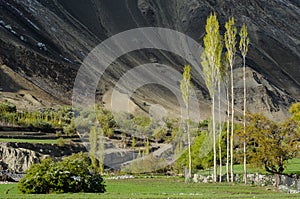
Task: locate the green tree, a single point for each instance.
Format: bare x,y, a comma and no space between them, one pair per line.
211,61
106,120
69,129
7,106
230,43
222,75
200,160
244,42
186,91
295,111
142,125
147,147
226,77
271,144
133,143
133,164
159,134
96,140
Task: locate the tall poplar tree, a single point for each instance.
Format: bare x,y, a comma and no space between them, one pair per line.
244,42
230,43
222,76
186,89
211,61
96,140
226,77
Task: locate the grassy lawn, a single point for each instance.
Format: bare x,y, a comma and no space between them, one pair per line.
293,166
163,187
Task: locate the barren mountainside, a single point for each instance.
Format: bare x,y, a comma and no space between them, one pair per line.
46,41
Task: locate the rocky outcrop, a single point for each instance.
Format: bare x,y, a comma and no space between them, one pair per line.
262,96
18,157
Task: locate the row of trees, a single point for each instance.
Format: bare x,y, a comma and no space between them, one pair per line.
215,68
267,144
45,119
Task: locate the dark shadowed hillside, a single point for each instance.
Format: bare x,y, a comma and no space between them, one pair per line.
45,42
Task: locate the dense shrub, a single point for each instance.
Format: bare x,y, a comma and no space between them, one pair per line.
7,107
70,129
41,125
69,175
202,153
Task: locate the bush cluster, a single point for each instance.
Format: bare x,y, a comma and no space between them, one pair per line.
70,175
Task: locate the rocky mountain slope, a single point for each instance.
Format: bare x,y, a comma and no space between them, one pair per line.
45,42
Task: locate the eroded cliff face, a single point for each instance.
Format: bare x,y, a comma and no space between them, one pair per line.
262,96
46,41
18,157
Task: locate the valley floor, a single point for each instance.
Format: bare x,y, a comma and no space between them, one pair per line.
161,187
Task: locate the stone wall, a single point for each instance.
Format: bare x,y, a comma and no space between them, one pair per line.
286,183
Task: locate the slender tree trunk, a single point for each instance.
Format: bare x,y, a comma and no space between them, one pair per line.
276,175
244,42
220,132
232,123
227,135
245,158
220,158
185,87
214,138
189,142
101,151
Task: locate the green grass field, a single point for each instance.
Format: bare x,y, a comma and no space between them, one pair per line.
293,166
162,187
